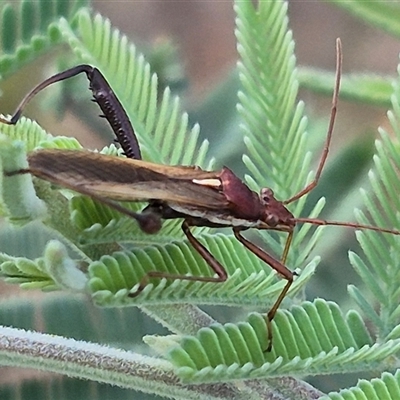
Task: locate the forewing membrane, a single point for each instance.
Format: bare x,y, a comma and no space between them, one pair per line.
125,179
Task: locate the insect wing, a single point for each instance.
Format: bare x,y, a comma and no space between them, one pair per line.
125,179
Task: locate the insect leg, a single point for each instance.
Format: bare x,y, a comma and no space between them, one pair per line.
287,247
103,95
279,267
208,257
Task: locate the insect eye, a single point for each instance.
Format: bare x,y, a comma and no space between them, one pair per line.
267,195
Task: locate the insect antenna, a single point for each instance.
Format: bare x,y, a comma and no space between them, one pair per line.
324,155
322,222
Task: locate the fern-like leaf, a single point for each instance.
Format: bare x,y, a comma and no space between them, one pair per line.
272,119
113,276
29,274
314,338
380,272
386,387
27,131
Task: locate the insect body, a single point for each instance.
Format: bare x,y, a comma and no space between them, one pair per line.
199,198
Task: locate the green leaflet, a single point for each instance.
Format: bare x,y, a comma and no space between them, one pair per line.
26,131
386,387
55,270
250,281
312,338
379,266
29,274
273,121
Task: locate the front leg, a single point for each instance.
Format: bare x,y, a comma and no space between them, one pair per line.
279,267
